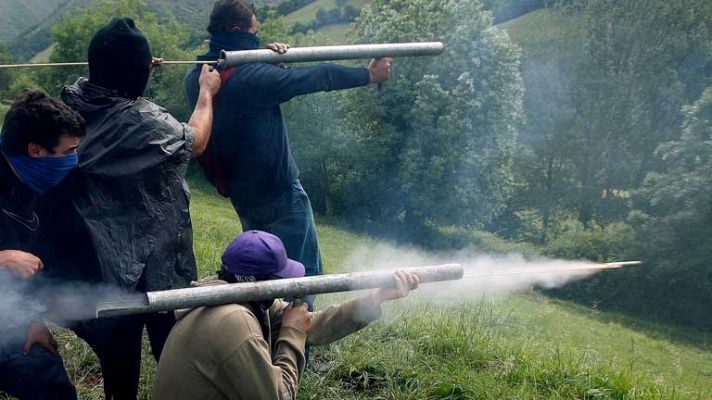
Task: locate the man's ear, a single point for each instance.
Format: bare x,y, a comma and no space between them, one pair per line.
34,150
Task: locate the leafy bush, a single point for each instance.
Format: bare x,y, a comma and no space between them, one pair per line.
5,76
673,236
596,243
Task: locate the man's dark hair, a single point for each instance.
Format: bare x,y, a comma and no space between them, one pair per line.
229,13
38,118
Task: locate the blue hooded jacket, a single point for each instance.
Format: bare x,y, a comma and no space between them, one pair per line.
249,133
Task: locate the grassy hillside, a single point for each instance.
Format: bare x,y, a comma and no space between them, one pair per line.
43,56
35,34
522,347
336,33
193,13
308,13
538,28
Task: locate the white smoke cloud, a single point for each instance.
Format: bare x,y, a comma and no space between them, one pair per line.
64,302
521,273
34,300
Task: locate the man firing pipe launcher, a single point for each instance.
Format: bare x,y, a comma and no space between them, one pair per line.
249,158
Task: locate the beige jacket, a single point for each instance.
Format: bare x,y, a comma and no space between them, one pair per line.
221,353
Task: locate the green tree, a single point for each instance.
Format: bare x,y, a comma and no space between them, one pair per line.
273,29
633,74
676,215
544,167
605,82
12,81
322,144
437,142
673,223
5,75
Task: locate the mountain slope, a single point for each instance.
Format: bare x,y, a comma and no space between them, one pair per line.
307,13
540,29
31,34
17,15
37,36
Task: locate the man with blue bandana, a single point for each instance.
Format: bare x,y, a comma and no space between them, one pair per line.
40,137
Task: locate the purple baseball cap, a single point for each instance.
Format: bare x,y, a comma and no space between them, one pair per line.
258,253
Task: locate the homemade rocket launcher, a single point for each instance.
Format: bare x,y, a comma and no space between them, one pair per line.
230,59
214,295
176,299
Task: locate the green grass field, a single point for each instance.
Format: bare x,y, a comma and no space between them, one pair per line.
308,13
536,26
43,56
525,346
542,33
336,33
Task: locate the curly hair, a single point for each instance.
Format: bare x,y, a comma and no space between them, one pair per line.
35,117
229,13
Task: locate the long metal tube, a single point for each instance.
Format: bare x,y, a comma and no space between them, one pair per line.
330,53
264,290
296,54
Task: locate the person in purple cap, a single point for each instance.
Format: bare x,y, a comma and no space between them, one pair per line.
256,350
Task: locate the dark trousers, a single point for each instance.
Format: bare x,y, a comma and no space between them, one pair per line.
37,375
117,343
291,219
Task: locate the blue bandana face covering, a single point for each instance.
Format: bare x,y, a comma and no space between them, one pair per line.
43,173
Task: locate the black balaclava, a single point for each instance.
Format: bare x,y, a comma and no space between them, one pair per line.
120,58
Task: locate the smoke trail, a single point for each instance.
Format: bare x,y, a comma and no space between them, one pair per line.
34,300
384,256
17,308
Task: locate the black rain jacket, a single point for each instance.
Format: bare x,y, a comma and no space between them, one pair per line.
122,216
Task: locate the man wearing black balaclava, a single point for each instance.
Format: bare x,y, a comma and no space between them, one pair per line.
125,219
